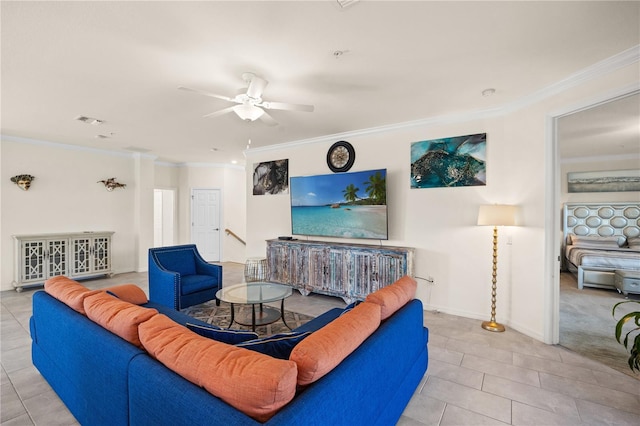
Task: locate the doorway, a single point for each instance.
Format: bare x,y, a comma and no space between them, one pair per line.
562,150
205,222
163,217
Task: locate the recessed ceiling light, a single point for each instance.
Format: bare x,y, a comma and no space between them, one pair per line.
234,162
488,92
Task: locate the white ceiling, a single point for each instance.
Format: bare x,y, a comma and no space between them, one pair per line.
122,62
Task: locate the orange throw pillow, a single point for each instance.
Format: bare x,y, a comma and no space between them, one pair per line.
254,383
394,296
68,291
129,293
119,317
324,349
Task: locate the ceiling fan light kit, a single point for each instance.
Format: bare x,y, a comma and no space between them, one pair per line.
248,112
250,105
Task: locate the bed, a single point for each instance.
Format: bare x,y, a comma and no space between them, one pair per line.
600,239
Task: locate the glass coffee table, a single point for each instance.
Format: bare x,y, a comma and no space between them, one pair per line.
256,293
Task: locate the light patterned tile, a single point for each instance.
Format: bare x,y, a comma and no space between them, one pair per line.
436,340
424,409
569,357
530,347
616,380
554,367
531,395
408,421
596,415
454,373
468,398
23,420
456,416
480,349
511,372
524,414
11,405
594,393
445,355
47,409
28,382
17,359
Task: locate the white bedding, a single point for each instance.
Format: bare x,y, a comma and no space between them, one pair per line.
621,258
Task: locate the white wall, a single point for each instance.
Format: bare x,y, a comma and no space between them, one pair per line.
65,197
440,222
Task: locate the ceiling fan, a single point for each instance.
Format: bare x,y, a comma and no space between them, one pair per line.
250,105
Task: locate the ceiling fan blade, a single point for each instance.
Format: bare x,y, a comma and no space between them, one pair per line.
268,120
287,107
218,113
256,87
213,95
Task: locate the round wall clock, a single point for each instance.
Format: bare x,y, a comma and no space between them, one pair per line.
341,156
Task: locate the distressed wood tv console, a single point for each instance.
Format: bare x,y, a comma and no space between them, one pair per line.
349,271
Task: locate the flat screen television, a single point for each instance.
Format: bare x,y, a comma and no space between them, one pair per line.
345,205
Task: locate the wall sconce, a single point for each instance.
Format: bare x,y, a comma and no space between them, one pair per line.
111,184
23,181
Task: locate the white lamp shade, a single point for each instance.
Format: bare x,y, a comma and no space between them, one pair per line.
248,112
497,215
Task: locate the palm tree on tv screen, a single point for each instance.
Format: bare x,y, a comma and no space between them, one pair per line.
377,188
351,193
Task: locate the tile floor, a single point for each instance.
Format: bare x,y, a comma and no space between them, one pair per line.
474,377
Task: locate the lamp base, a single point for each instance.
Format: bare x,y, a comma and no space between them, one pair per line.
492,326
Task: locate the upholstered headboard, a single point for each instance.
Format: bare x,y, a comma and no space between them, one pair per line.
602,219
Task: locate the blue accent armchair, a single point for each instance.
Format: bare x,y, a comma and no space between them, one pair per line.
179,277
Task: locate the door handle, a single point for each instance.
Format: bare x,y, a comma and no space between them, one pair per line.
216,229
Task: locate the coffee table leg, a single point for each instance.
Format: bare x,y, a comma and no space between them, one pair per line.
232,315
253,316
282,314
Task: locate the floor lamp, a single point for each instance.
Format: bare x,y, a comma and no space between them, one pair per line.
495,215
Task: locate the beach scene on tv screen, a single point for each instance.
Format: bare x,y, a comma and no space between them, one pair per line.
346,205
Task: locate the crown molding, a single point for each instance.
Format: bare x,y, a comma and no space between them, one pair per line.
599,159
211,165
70,147
599,69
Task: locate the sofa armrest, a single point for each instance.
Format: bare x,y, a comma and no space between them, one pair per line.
165,285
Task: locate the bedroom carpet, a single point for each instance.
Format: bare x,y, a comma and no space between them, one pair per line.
587,326
221,315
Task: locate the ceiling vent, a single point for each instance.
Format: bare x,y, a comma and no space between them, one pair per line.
89,120
346,3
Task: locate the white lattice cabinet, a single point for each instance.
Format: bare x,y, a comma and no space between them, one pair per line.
76,255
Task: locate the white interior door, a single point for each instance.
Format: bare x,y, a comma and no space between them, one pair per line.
205,222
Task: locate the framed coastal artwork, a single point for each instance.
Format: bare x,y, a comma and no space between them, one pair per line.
449,162
604,181
271,177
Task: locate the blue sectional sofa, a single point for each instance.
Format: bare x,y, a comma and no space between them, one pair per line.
105,380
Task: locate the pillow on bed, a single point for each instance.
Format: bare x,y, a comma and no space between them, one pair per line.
598,242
